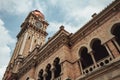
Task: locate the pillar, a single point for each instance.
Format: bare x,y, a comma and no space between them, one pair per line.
53,73
23,44
116,44
108,50
79,62
31,43
92,56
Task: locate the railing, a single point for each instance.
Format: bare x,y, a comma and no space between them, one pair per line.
100,63
104,61
89,69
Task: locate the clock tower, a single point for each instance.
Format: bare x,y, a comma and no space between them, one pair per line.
32,33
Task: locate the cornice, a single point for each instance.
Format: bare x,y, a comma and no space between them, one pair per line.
51,48
29,25
96,22
39,54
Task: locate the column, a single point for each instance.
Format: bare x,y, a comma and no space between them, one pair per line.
23,44
38,41
31,43
112,45
91,53
52,73
18,47
116,44
17,64
80,65
44,76
108,50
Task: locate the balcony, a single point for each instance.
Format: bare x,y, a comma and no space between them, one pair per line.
105,61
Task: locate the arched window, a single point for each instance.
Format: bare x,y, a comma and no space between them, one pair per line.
57,66
85,57
99,51
40,75
116,32
48,71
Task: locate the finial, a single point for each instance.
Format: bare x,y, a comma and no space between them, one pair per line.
95,14
61,27
49,38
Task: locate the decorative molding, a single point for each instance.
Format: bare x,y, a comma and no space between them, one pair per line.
31,26
38,55
96,22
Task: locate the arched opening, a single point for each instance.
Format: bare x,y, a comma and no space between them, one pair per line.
40,75
85,58
57,66
48,71
27,78
99,51
116,32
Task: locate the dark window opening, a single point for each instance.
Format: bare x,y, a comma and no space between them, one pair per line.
35,40
99,51
116,32
57,69
85,58
27,78
40,75
49,73
28,37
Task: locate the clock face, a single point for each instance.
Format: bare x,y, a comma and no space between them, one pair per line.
38,24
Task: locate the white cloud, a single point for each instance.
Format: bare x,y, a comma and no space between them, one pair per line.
76,13
5,42
54,27
19,6
82,10
2,70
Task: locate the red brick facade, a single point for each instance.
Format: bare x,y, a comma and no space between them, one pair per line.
92,53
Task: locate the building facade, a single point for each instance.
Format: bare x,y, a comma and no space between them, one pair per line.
92,53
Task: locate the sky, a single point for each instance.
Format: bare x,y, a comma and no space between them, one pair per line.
73,14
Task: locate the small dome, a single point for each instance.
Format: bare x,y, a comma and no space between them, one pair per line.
38,13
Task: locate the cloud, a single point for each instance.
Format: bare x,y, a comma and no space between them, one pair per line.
79,11
54,27
2,70
6,42
73,14
17,7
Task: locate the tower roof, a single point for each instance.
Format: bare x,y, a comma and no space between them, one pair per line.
38,13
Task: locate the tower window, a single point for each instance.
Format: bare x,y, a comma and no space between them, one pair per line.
99,51
27,78
116,32
35,40
85,58
28,37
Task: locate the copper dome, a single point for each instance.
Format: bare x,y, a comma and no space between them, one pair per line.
38,13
